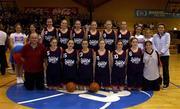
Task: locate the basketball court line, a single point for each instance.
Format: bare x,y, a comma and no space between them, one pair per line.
146,93
7,83
178,86
106,105
38,99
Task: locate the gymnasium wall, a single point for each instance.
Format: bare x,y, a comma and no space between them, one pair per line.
114,9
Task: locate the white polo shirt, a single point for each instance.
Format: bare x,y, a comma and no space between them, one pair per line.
3,37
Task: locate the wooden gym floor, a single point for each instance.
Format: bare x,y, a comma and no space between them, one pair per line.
164,99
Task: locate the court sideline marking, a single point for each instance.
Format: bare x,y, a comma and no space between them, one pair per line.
178,86
42,98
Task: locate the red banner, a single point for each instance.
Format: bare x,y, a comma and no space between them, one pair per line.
67,11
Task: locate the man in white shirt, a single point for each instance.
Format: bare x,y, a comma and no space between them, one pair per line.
3,39
161,43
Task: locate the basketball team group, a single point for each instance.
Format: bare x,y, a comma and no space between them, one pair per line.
113,59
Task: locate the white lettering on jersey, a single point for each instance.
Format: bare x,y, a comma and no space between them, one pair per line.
135,60
101,64
53,59
119,63
69,62
85,61
93,42
77,40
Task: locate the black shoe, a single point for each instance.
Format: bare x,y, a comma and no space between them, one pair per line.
165,86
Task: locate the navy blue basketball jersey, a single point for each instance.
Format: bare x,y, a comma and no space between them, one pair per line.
77,37
53,73
93,40
63,38
85,71
118,69
70,66
109,40
102,75
134,58
125,39
134,68
47,36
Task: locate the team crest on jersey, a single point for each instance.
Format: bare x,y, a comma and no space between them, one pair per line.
102,64
109,41
48,37
125,42
119,63
53,59
85,61
135,60
69,62
77,40
61,99
63,40
93,42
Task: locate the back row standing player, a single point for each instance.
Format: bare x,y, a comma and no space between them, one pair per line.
124,35
63,34
93,36
77,35
109,36
48,33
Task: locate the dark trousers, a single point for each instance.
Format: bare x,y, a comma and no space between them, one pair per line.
34,80
151,85
3,62
165,66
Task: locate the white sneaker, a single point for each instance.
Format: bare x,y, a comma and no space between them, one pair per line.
21,80
18,80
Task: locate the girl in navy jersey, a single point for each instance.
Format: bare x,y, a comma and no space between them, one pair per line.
85,71
69,63
118,69
63,34
124,35
134,65
77,35
93,36
53,71
48,33
109,36
102,65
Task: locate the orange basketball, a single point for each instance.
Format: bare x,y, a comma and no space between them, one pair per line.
70,86
94,87
17,58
